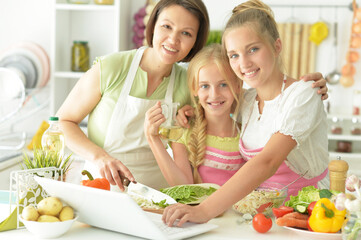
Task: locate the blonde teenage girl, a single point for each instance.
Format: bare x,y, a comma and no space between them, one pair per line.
284,128
208,151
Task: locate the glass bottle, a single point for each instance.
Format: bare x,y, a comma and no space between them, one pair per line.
356,102
80,56
351,227
356,126
104,2
79,1
336,127
52,140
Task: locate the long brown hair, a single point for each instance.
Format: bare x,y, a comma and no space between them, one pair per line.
197,143
195,7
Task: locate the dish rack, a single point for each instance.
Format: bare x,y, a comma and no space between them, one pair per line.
24,73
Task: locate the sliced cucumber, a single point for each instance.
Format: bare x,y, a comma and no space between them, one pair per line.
301,209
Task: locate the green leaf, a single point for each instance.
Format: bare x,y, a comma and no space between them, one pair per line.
325,193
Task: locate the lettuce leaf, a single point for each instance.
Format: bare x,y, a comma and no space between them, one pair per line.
188,193
304,197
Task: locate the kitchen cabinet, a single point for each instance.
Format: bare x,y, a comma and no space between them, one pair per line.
353,157
102,26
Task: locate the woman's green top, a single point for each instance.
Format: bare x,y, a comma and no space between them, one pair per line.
113,72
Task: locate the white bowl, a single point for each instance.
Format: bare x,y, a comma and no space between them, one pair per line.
48,229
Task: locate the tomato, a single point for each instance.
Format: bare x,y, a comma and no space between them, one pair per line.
310,207
261,223
279,212
308,225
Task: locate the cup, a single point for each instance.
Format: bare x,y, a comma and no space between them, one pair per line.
170,130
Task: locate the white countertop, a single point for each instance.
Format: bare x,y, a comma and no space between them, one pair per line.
228,228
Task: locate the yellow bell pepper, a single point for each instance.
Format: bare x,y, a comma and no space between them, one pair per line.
325,217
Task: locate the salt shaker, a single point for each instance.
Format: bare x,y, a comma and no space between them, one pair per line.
338,174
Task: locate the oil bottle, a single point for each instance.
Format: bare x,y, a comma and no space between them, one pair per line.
52,140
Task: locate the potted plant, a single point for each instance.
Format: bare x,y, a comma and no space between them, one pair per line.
42,159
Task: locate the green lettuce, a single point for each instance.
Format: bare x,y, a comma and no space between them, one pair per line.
188,194
304,197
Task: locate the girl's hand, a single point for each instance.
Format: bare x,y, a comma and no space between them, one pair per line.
184,114
319,82
153,119
184,213
114,171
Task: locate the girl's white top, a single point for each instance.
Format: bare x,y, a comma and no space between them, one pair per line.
300,114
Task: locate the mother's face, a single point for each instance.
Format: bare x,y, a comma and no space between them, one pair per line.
175,33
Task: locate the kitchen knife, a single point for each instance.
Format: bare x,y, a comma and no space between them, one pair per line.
141,190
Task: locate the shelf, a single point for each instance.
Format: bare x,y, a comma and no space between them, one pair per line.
84,7
334,155
75,75
344,137
342,116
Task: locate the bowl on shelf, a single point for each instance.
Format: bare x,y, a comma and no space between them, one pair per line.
267,196
48,229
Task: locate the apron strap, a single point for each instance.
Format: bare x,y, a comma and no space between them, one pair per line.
131,73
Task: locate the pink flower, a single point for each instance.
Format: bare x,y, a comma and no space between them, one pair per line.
352,183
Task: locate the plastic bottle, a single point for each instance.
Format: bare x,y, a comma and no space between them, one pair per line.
53,138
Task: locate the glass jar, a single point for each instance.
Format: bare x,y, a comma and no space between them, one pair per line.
105,2
356,126
79,1
336,127
351,227
356,102
80,56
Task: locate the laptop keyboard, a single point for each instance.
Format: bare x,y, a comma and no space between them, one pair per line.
169,230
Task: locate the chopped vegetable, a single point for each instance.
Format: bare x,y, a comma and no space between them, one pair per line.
304,197
101,183
325,217
310,207
188,193
281,211
301,208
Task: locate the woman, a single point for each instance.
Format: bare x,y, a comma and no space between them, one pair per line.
120,87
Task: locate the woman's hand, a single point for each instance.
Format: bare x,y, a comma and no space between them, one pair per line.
184,213
114,171
184,114
153,119
319,82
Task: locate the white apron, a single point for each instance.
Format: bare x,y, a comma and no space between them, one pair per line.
125,139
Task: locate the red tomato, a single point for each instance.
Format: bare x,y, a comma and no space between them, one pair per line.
310,207
279,212
261,223
308,225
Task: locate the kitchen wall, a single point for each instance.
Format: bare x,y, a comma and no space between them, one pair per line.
29,20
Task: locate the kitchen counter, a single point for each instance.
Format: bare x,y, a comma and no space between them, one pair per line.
229,228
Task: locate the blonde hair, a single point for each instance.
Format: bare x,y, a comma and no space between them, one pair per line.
259,17
197,145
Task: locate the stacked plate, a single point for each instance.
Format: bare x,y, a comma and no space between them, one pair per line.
29,61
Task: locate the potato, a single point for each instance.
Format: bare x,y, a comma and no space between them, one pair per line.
50,206
67,213
30,213
48,218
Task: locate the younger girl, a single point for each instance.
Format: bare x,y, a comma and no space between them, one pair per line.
284,128
210,146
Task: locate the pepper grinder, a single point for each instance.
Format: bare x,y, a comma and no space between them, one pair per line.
338,174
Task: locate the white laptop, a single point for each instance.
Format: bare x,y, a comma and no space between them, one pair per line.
117,212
